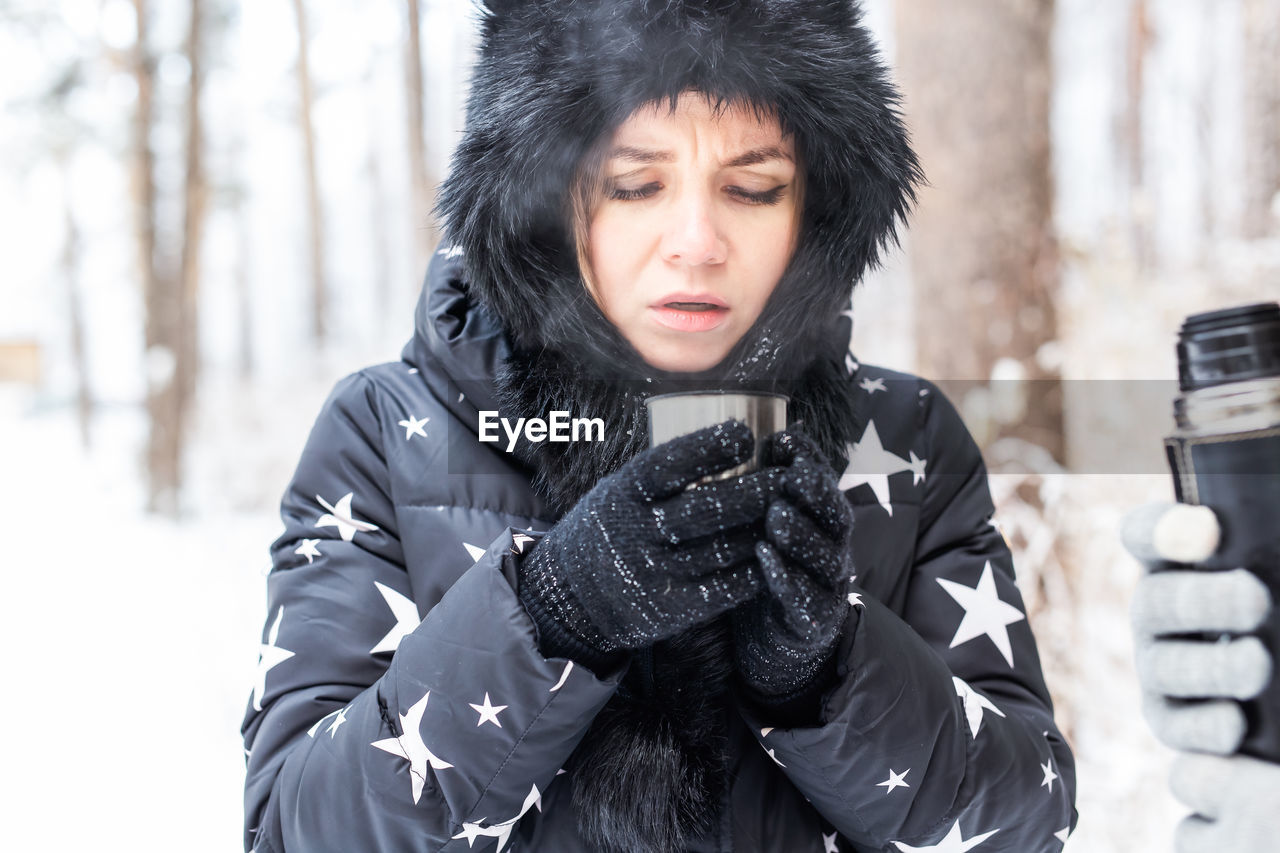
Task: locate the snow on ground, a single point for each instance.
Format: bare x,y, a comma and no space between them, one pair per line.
131,646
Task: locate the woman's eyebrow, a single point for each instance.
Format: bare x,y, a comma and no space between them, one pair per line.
753,157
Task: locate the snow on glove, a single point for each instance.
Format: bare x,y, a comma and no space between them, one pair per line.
1236,801
641,558
785,637
1190,685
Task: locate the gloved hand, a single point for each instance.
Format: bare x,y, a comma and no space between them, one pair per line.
785,637
1190,685
639,559
1236,801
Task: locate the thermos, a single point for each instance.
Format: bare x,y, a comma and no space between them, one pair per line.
1225,454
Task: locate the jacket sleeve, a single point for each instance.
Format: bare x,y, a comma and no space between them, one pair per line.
369,728
939,731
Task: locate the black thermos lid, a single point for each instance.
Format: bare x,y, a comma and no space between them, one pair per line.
1229,345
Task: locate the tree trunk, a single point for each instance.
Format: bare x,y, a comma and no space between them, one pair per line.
1261,117
162,325
977,79
195,197
315,218
423,190
384,294
244,294
75,314
1140,209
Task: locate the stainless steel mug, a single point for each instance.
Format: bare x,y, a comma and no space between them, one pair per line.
672,415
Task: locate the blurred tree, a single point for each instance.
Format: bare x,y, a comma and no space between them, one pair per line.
1261,60
62,135
160,293
424,231
1133,137
984,259
195,205
170,295
379,206
71,248
977,78
315,213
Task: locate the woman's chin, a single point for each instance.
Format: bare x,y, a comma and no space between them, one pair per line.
683,359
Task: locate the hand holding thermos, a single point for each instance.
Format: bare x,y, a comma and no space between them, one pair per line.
1205,630
1196,664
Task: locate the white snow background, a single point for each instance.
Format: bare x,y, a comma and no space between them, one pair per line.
131,641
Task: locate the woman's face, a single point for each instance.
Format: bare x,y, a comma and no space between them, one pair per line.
696,225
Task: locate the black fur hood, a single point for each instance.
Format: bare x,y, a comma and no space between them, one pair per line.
555,76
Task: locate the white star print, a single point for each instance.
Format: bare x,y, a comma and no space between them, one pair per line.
953,843
1062,834
564,676
475,551
269,656
984,612
871,386
769,752
871,464
895,780
1049,775
410,746
855,599
413,427
413,370
340,516
765,731
501,831
407,619
308,549
488,713
917,468
339,720
974,702
850,363
519,540
311,732
829,843
472,831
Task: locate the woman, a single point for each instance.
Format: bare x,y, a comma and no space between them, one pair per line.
545,645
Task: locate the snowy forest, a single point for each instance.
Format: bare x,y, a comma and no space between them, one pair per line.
214,210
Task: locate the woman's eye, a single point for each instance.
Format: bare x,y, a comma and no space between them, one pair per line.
772,196
624,194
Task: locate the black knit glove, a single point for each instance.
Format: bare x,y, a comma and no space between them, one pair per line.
639,559
784,638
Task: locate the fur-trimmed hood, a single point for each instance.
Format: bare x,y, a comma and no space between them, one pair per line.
555,76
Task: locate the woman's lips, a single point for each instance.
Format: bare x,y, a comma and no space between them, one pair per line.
689,316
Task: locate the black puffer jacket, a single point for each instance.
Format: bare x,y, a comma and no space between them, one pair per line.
402,704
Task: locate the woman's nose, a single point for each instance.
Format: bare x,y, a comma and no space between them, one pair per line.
693,237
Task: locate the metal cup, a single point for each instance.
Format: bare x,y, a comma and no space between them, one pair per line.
672,415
